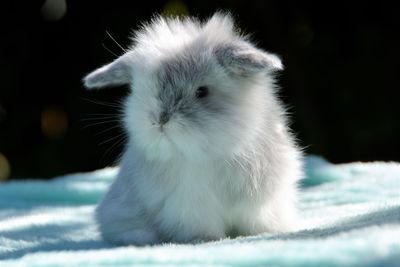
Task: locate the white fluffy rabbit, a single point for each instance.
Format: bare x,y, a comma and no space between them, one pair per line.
209,153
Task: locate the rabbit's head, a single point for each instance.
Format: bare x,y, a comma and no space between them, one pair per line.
199,91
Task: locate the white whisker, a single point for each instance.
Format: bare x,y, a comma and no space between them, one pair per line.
118,104
111,139
112,38
109,129
109,50
114,146
100,123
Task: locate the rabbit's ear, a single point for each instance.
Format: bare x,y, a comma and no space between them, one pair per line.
243,59
115,73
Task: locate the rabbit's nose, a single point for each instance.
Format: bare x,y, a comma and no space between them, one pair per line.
164,118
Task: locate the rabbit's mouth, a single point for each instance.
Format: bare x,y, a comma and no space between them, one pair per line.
161,122
160,128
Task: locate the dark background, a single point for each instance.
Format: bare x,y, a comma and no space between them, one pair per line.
340,82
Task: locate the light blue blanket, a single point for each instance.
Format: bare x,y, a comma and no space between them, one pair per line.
351,218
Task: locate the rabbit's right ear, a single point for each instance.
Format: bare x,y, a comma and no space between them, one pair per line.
115,73
242,58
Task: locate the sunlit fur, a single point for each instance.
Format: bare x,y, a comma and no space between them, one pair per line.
223,165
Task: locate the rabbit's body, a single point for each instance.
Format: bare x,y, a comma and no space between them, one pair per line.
209,153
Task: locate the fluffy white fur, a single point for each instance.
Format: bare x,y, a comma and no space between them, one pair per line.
222,165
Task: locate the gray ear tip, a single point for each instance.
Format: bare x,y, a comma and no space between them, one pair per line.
113,74
88,82
278,67
275,63
95,79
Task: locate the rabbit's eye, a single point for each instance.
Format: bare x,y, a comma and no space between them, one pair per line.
201,92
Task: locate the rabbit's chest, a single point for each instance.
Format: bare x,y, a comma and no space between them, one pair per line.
194,187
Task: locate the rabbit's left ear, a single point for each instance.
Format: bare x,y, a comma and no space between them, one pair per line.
115,73
243,59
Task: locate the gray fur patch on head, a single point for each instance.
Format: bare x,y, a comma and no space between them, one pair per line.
178,78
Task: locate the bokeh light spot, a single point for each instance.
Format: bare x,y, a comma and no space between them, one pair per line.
53,10
54,122
5,168
175,8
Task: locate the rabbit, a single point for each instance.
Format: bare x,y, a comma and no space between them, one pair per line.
209,153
